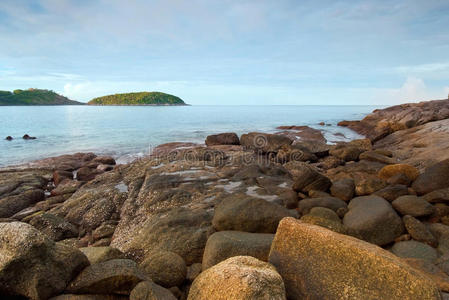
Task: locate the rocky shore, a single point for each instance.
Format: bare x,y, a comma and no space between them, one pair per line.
260,216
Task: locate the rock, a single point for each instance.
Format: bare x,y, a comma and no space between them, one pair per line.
438,196
431,271
418,231
13,204
87,174
289,199
305,205
60,175
105,168
105,160
239,277
414,249
382,122
193,271
329,162
225,244
307,178
346,152
413,205
400,179
343,189
89,297
434,178
372,219
165,268
103,231
9,138
392,170
264,142
27,137
364,144
318,194
34,266
244,213
317,263
318,148
324,217
67,186
228,138
54,227
392,192
117,276
376,157
101,254
367,185
293,153
147,290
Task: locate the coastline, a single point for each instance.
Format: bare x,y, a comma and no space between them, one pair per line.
355,212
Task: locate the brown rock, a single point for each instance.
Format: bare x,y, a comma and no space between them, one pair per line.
434,178
307,178
60,175
317,263
229,138
391,170
392,192
105,160
413,205
165,268
343,189
147,290
419,232
264,142
305,205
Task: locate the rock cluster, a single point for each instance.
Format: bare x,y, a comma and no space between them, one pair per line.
263,216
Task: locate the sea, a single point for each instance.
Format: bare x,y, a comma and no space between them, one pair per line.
130,132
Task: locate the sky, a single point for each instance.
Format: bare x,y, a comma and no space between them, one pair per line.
225,52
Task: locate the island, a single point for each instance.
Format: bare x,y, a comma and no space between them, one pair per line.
140,98
34,97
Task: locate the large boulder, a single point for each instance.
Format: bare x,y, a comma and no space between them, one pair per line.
264,142
306,178
228,138
147,290
413,206
414,249
32,265
101,254
346,152
248,214
317,263
392,170
372,219
434,178
224,244
324,217
54,227
117,276
165,268
238,278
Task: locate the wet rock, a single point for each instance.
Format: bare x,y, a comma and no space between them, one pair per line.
317,263
343,189
243,213
392,170
392,192
27,137
264,142
373,219
228,138
9,138
239,277
118,276
55,227
305,205
418,231
87,174
147,290
414,249
101,254
434,178
105,160
165,268
34,266
225,244
13,204
307,178
413,205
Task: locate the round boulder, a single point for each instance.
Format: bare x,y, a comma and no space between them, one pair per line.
434,178
239,277
392,170
413,206
165,268
147,290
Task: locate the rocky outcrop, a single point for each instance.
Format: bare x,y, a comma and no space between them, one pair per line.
239,277
264,142
383,122
34,266
317,263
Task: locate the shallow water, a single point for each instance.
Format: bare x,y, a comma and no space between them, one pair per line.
127,132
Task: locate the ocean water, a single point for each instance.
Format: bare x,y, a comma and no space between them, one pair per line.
127,132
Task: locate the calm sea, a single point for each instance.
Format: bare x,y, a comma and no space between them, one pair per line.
127,132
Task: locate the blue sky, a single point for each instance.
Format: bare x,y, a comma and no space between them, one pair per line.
229,52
